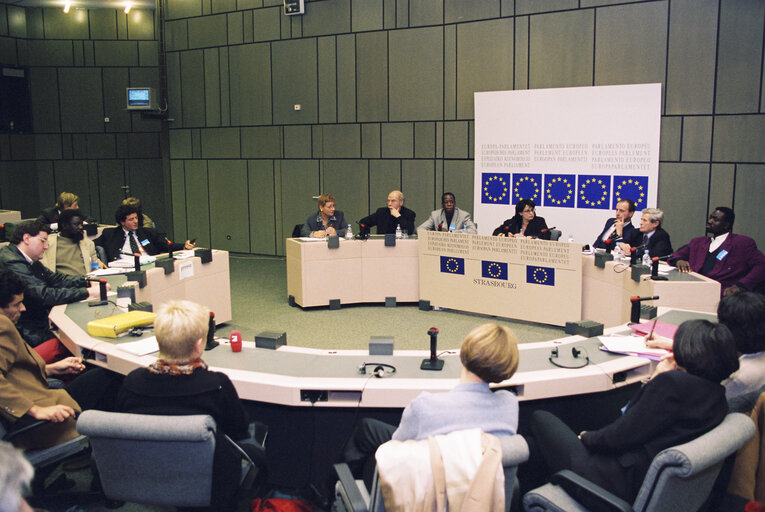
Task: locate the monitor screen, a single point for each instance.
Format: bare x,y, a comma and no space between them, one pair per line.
140,98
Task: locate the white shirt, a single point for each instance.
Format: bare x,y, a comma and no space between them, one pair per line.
126,246
718,241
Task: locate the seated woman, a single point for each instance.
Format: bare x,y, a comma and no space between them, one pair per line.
683,400
179,383
327,221
489,353
525,224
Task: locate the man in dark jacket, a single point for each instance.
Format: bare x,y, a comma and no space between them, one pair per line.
45,289
388,218
130,238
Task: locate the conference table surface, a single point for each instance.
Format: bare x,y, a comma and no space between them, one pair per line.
291,375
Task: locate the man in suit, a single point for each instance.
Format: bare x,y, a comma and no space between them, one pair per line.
389,217
619,227
731,259
130,238
649,236
65,201
449,218
45,288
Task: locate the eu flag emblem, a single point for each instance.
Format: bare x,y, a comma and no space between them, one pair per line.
593,192
527,186
496,188
452,265
560,190
631,187
494,270
540,275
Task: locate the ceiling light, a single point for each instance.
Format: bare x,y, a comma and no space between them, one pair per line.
67,6
127,7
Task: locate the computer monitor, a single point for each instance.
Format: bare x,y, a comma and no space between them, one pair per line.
140,98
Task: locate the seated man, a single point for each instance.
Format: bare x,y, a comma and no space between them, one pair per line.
24,390
65,201
326,222
71,252
45,288
731,259
130,238
179,383
619,227
650,236
449,218
489,353
388,218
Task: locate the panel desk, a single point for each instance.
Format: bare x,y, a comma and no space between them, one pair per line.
9,216
357,271
606,291
467,278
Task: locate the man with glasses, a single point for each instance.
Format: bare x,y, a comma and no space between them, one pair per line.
45,288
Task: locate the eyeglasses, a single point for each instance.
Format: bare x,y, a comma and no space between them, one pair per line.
43,240
528,211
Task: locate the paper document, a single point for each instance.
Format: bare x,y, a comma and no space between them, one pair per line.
662,329
141,347
630,345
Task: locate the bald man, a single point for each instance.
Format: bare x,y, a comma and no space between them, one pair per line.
389,217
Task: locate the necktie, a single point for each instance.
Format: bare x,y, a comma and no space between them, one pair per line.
133,244
645,239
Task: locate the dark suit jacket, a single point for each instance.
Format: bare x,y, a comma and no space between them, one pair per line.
534,229
743,264
315,223
49,215
658,245
608,228
112,240
672,408
386,223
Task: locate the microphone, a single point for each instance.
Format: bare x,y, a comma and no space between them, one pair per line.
102,292
433,363
608,241
633,255
545,230
211,343
440,224
169,246
363,231
655,268
235,340
137,260
635,307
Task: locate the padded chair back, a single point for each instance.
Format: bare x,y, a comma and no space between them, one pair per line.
515,451
681,477
156,460
555,234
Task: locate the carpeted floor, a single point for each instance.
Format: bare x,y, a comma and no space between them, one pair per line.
259,302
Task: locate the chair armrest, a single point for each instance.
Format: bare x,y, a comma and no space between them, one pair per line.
258,432
14,431
351,491
590,495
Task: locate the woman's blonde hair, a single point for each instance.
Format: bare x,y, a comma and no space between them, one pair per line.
490,351
178,326
324,199
66,199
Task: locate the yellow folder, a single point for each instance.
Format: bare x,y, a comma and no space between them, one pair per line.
111,326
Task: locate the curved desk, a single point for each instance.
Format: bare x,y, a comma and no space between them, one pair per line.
293,376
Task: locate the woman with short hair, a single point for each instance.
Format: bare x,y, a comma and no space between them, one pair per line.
525,223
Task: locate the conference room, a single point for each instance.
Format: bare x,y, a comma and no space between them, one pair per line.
254,112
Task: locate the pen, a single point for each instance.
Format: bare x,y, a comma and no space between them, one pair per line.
650,334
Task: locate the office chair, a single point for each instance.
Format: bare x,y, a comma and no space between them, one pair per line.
679,479
44,460
162,460
353,496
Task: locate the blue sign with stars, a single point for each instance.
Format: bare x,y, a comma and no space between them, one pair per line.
560,190
631,187
527,186
540,275
594,192
495,188
452,265
494,270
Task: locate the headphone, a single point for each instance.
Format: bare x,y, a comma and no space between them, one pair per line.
379,370
576,352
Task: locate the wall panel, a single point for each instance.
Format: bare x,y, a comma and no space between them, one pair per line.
229,205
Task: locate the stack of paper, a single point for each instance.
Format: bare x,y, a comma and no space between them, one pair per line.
662,329
630,345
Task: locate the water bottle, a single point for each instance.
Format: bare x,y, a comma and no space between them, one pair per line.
398,232
348,233
570,238
646,259
617,252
